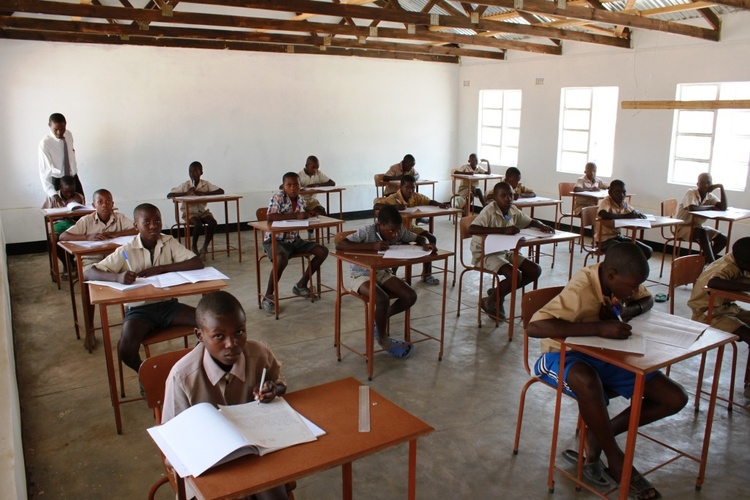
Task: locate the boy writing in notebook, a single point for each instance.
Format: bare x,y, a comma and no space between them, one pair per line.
377,237
501,217
467,188
398,170
596,302
287,204
199,213
589,182
700,198
312,177
225,368
150,253
65,195
615,206
513,177
407,197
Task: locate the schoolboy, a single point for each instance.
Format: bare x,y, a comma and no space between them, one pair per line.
199,213
615,206
225,368
586,307
398,170
287,204
467,187
312,177
376,237
513,177
500,216
407,197
589,182
57,156
66,194
698,198
150,253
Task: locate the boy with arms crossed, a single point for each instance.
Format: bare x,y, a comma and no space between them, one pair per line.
699,198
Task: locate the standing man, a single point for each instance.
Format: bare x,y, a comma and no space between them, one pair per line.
57,157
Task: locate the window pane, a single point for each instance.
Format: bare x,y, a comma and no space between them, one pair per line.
738,122
492,99
734,90
698,92
492,117
510,137
490,153
575,141
732,174
686,172
579,120
513,118
577,98
513,99
692,147
695,122
509,157
573,162
491,136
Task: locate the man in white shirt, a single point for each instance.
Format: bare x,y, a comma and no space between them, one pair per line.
57,157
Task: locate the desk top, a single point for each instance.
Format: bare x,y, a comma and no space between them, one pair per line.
321,190
373,260
79,212
335,408
537,201
207,198
729,294
432,212
463,175
105,295
730,214
265,225
73,248
599,195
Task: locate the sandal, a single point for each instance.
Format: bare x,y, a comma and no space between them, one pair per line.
431,280
594,473
641,489
400,349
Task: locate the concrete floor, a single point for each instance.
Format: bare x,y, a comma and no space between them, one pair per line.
471,398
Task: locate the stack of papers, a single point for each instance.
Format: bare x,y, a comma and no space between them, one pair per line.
167,280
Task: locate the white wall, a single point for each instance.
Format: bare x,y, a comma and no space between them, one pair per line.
141,115
649,71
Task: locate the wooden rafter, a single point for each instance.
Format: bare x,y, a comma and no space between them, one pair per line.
733,104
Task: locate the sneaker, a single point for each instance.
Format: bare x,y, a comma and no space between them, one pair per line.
268,305
300,290
431,280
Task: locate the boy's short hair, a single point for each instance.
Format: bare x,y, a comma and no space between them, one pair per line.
500,185
219,303
102,192
68,180
389,216
512,171
627,259
590,164
409,157
196,164
617,182
145,207
407,178
57,118
290,175
741,251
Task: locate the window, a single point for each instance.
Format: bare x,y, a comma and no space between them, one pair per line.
587,129
499,126
715,141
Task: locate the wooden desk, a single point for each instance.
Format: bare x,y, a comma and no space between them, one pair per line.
262,227
657,356
475,177
334,407
49,225
374,262
214,198
105,296
431,214
327,190
78,252
730,215
540,201
658,222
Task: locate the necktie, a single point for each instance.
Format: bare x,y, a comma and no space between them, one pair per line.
66,158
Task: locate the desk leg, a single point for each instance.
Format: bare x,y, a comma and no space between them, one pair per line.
729,233
186,209
275,271
226,225
337,309
346,479
55,263
513,286
412,470
370,327
710,418
442,314
110,367
455,248
239,234
635,416
257,265
73,293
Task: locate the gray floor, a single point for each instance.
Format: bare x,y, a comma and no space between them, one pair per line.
470,397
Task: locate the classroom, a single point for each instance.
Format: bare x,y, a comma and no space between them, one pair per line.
141,114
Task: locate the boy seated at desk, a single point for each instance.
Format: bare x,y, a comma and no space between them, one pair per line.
312,177
397,171
468,188
699,198
199,213
615,206
287,204
150,253
500,216
407,197
65,195
589,182
225,368
730,272
513,177
376,237
589,305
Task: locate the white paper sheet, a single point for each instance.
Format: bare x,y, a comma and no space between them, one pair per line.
667,329
635,344
535,199
644,223
291,223
405,252
120,240
500,242
139,282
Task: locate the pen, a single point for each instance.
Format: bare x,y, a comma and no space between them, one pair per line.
262,381
124,254
616,310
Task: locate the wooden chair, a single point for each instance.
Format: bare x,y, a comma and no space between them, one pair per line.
380,185
455,183
370,351
563,191
685,270
262,215
175,232
468,266
669,209
589,220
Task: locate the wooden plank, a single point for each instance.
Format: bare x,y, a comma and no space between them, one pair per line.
672,105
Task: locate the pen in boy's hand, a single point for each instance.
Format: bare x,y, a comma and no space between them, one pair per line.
616,310
262,381
125,255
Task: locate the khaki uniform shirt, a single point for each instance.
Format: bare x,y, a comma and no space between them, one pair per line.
580,301
305,180
693,197
92,224
416,200
397,170
492,216
608,229
581,202
196,209
723,268
521,189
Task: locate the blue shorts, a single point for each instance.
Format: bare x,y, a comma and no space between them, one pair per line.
158,315
289,248
614,378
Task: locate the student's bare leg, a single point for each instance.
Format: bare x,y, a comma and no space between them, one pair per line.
427,266
280,260
480,196
407,297
133,333
318,211
320,254
210,231
717,239
743,333
196,229
382,301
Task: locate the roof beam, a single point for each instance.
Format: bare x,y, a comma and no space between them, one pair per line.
734,104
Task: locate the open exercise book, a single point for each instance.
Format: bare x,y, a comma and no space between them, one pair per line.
73,205
502,242
202,436
295,222
168,279
120,240
653,326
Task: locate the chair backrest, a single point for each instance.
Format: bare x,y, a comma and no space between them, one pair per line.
668,209
685,270
531,302
565,188
465,223
262,214
153,375
454,182
379,185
